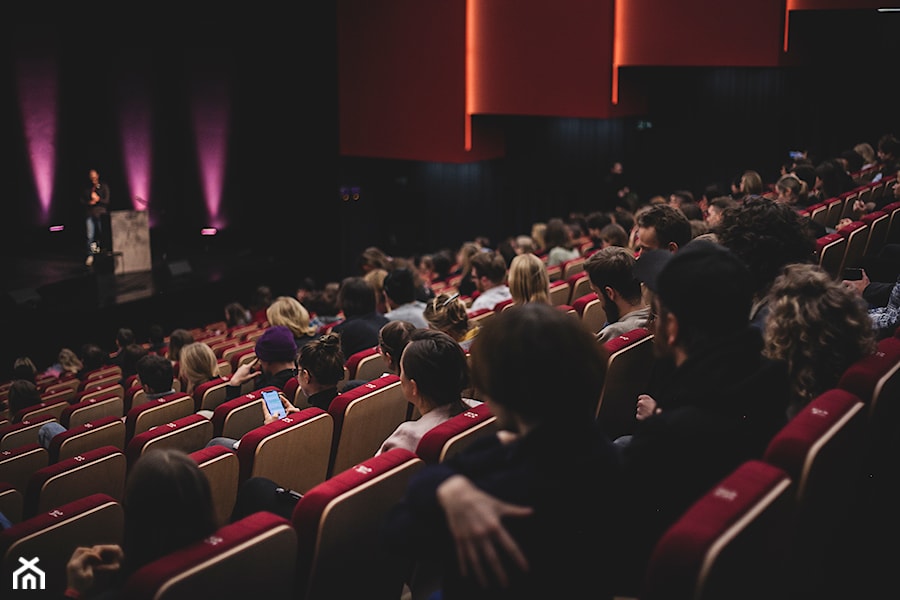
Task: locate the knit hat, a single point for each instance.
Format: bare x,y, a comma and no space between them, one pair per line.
276,345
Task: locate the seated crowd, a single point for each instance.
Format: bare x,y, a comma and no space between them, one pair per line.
747,329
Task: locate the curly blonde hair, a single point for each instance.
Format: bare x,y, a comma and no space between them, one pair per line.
817,326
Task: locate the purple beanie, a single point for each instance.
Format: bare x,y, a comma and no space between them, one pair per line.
276,345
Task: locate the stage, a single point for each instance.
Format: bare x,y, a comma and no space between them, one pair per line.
52,300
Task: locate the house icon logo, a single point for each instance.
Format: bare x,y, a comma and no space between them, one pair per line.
29,576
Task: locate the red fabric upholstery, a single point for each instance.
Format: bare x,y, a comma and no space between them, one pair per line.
252,439
626,339
12,427
583,301
502,304
49,405
114,488
135,446
353,362
67,412
338,406
221,412
679,563
198,392
59,438
863,376
313,507
250,558
132,414
431,444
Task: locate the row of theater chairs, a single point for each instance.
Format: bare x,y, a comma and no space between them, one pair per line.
727,545
335,524
802,521
848,246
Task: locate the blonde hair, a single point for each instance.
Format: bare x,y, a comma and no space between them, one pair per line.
538,230
288,311
197,364
818,327
751,183
447,313
795,186
866,150
69,361
528,280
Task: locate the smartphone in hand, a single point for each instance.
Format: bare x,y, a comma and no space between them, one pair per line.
273,403
852,274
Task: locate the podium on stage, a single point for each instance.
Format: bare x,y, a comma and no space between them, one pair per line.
130,231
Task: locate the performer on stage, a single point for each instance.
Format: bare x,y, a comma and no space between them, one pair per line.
95,199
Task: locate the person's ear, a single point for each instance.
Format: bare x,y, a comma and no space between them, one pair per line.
671,328
610,293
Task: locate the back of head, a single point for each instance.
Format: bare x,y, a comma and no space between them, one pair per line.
124,336
400,286
767,236
24,368
324,359
289,312
22,394
806,173
356,297
131,354
447,313
69,361
178,339
236,314
670,224
817,326
614,235
598,220
442,261
613,266
198,364
156,373
557,234
867,152
491,265
707,288
437,364
392,339
528,280
322,303
539,363
167,506
92,357
276,345
751,183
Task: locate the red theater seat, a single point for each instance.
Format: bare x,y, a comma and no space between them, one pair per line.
456,433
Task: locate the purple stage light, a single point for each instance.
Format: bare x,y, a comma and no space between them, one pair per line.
55,228
38,97
211,112
209,231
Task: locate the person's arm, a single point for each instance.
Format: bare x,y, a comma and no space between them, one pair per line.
85,563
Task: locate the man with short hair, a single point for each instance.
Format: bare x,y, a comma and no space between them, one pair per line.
611,272
400,297
489,274
662,227
156,375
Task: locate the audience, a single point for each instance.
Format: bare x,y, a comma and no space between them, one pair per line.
320,368
361,323
558,240
448,314
489,273
433,375
199,365
22,394
611,271
818,327
662,227
276,353
167,505
528,280
556,541
400,298
178,339
289,312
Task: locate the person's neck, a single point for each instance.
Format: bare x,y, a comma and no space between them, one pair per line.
626,309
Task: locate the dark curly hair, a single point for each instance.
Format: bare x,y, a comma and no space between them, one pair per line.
767,236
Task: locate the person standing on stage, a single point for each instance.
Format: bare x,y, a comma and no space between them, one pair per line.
95,199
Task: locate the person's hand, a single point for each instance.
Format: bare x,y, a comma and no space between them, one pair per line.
474,520
646,406
857,285
288,408
245,373
86,562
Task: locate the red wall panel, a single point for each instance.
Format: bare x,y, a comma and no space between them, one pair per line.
532,57
402,81
700,33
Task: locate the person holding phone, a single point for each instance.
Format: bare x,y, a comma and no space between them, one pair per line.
274,365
